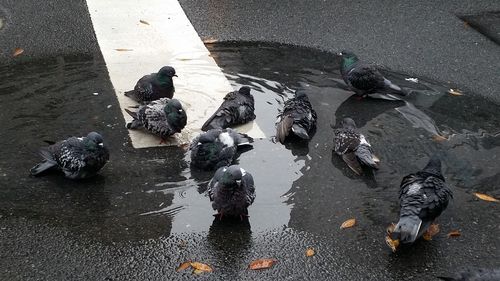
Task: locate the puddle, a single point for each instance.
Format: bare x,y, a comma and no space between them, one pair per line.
152,193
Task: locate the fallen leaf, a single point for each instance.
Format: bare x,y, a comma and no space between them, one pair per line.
183,266
310,252
454,233
348,223
198,271
439,138
144,22
431,231
485,197
17,52
123,50
390,228
262,264
201,266
393,244
455,92
210,40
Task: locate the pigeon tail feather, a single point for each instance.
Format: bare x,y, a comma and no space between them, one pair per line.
407,229
214,123
283,128
366,157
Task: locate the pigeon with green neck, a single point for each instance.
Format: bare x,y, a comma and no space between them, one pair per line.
366,80
163,117
77,157
154,86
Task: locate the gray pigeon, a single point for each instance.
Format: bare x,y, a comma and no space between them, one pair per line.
298,117
365,79
353,147
154,86
238,108
217,148
479,274
231,191
163,117
78,158
423,197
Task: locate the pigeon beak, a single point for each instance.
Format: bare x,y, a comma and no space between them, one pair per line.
100,144
238,182
175,75
180,110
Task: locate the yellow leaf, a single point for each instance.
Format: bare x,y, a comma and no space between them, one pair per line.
454,233
183,266
262,264
310,252
348,223
455,92
439,138
390,228
123,50
393,244
144,22
17,52
201,266
198,271
431,231
485,197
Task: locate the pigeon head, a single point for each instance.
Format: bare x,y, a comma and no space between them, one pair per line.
232,176
434,166
94,140
348,123
176,116
245,90
166,71
348,58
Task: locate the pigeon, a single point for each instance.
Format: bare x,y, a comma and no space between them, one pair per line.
154,86
217,148
366,80
353,147
231,191
423,197
163,117
479,274
298,117
237,108
77,157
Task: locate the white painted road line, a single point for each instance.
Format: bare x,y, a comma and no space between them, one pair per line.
151,34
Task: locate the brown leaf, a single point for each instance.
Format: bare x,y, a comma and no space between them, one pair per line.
393,244
262,263
183,266
310,252
485,197
210,40
439,138
455,92
348,223
390,228
431,232
198,271
17,52
454,233
144,22
123,50
201,266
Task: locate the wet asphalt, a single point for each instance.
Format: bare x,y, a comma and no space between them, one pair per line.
54,229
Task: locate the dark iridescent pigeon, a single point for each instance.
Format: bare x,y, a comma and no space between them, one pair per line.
423,197
238,108
78,158
298,117
163,117
217,148
479,274
231,191
154,86
366,80
353,147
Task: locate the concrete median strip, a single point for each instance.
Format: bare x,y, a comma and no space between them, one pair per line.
138,38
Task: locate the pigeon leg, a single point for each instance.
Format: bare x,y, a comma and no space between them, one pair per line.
244,216
219,215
